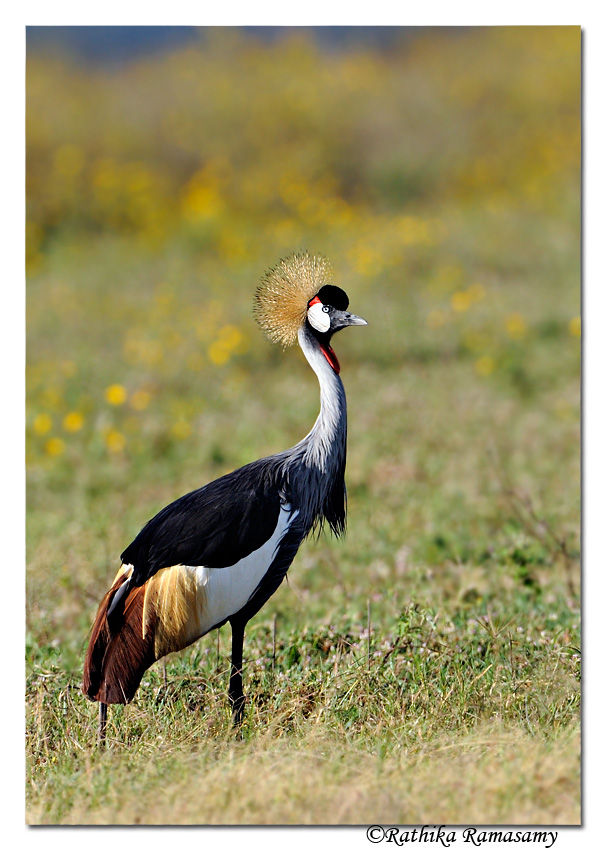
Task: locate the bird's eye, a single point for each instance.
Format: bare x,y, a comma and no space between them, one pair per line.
325,308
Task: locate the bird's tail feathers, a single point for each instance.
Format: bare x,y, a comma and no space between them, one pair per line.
136,626
119,651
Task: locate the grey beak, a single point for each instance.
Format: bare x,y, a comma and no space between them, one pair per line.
341,319
355,320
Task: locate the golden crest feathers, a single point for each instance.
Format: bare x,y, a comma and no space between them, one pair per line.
281,299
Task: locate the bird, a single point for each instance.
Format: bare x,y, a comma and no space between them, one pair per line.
218,553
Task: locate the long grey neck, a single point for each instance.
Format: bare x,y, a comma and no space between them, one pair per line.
314,469
326,444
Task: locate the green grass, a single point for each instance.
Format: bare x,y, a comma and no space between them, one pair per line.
463,536
462,704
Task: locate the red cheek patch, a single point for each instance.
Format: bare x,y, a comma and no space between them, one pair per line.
314,300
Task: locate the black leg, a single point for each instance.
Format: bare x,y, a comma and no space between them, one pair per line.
102,724
236,694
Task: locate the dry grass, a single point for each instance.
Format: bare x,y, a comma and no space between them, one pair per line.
492,775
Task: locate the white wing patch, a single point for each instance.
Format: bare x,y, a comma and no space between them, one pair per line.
182,603
227,590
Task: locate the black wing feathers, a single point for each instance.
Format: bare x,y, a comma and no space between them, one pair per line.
335,506
215,526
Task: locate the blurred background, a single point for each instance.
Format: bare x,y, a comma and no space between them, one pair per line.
439,170
167,168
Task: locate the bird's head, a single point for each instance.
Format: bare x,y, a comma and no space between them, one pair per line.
296,294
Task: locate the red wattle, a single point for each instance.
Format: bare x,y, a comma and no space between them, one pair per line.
331,357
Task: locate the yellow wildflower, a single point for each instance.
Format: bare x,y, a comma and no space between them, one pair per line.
115,441
73,421
181,429
574,326
515,326
218,353
231,336
55,446
115,394
460,301
485,365
43,423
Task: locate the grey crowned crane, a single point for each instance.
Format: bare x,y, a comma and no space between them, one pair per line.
217,554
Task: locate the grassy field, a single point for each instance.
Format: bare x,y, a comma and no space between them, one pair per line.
442,181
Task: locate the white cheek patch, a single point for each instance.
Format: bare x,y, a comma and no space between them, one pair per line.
318,319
